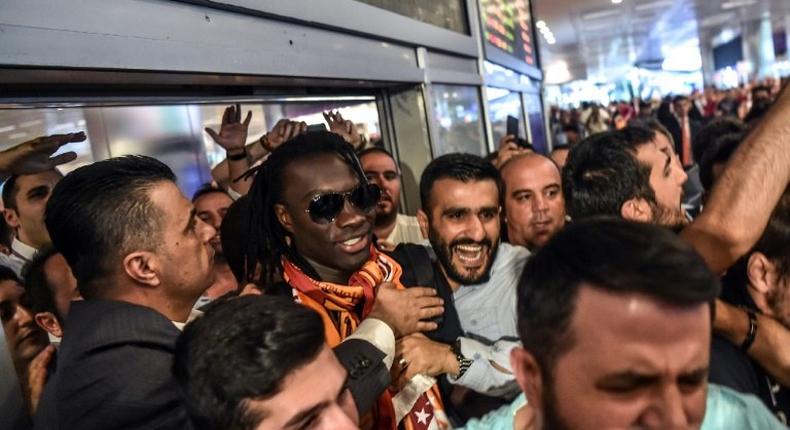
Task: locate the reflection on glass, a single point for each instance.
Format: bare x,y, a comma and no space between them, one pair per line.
173,134
449,14
501,104
412,141
456,109
536,124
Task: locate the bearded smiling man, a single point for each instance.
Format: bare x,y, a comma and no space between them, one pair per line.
461,201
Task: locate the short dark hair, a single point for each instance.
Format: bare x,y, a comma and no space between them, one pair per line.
461,167
267,242
678,98
208,188
718,152
10,190
713,130
775,241
242,350
6,233
374,150
37,285
233,233
100,212
610,254
602,173
8,274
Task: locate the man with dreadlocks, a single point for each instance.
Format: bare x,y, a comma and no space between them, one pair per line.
316,210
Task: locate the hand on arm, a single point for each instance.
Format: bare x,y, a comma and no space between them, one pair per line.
35,155
771,347
422,356
37,378
406,311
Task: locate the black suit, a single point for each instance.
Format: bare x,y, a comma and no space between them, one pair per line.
114,371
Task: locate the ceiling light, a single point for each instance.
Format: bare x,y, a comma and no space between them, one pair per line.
737,3
653,5
617,1
541,24
600,14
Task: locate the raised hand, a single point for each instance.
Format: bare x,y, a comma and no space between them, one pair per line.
407,310
232,132
35,155
345,128
282,132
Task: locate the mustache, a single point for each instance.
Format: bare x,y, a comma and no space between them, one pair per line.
484,242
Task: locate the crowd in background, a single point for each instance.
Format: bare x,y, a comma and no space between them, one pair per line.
635,277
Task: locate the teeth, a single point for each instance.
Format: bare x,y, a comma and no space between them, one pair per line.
470,248
352,241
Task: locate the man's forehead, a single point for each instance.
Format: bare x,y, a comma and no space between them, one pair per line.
377,161
214,199
531,170
10,290
50,177
321,173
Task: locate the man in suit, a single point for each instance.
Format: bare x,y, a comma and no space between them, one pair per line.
142,258
683,127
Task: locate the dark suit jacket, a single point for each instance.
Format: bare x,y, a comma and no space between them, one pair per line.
113,371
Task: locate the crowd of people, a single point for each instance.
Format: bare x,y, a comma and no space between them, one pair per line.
571,290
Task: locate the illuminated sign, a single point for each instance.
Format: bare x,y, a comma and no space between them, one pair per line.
507,25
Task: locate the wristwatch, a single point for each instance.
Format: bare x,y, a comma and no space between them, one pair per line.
463,362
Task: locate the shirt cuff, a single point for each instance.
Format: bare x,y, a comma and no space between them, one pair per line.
379,334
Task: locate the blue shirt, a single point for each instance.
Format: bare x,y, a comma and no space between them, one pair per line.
487,313
726,409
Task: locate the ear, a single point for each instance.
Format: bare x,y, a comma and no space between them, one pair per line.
422,219
527,372
144,267
283,217
763,278
49,323
11,218
636,210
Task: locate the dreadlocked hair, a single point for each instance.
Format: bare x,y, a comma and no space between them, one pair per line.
267,243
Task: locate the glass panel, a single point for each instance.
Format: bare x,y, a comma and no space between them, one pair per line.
459,124
501,104
537,126
173,134
412,141
449,14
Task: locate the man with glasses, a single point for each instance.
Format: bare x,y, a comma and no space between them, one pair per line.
391,228
312,238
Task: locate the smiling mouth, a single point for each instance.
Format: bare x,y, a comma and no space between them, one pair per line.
354,244
470,255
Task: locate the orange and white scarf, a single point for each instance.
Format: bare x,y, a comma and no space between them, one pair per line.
342,307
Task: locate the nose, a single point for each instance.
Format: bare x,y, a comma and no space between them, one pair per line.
668,411
682,176
350,216
475,229
540,203
336,418
207,230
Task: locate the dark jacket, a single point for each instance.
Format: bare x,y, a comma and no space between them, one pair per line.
113,371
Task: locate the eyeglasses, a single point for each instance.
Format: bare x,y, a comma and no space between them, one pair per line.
324,208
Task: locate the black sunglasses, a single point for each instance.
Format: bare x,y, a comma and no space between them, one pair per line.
324,208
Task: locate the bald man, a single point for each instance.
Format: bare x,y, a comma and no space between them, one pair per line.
534,204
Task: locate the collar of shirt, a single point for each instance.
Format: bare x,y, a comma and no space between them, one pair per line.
193,315
23,250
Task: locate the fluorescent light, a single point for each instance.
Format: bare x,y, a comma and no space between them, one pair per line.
600,14
17,135
7,128
617,1
737,3
653,5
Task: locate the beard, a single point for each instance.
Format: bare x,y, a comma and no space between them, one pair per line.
550,416
776,299
672,218
444,253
